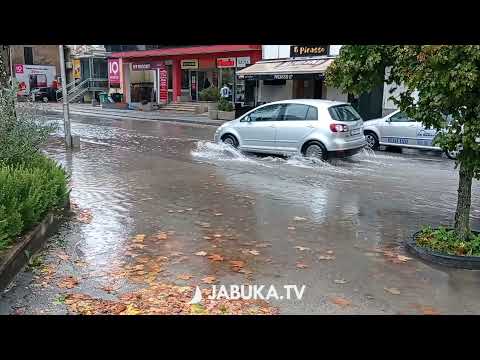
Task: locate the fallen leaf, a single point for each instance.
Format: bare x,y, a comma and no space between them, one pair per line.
138,267
139,238
340,301
217,235
130,310
326,257
340,281
207,238
180,211
85,216
299,218
209,279
69,282
245,271
171,211
170,232
263,245
63,256
216,257
201,253
403,258
330,252
237,263
429,310
218,214
184,277
301,248
161,236
189,209
254,252
393,291
301,266
291,228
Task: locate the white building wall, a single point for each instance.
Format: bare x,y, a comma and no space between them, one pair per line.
334,94
388,105
275,92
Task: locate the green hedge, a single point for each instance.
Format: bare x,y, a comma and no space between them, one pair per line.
27,192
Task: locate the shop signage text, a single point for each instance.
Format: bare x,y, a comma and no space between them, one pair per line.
114,71
226,62
309,50
243,61
147,66
189,64
163,85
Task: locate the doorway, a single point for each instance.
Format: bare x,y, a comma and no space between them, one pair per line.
317,88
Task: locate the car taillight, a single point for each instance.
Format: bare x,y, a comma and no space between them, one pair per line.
338,128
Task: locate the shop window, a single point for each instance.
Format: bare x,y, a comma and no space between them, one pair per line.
28,55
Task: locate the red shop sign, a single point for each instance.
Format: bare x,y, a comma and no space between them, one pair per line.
226,62
163,85
114,71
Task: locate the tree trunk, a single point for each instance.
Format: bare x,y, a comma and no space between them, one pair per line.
462,215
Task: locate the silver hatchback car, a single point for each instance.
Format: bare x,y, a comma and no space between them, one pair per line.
313,128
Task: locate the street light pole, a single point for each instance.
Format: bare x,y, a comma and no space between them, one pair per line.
66,111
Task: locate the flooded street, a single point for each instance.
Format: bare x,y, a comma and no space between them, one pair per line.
154,195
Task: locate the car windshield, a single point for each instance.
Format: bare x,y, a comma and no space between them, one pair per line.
344,113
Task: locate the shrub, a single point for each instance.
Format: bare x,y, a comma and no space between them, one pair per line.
447,242
27,192
209,94
225,105
22,130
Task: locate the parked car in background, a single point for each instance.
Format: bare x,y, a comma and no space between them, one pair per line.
311,127
397,129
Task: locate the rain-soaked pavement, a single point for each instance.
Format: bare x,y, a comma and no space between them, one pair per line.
337,228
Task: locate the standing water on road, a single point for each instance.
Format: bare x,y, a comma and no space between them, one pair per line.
159,210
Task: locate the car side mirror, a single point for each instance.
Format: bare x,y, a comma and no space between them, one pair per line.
246,119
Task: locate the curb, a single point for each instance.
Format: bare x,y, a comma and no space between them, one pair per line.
110,116
453,261
15,258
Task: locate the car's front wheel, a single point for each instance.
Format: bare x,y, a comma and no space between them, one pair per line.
372,140
230,140
316,150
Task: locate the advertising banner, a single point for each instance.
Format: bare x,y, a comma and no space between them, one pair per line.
163,75
114,71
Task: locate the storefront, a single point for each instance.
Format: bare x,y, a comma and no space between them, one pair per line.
186,72
291,79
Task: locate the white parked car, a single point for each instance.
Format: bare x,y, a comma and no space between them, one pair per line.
311,127
397,129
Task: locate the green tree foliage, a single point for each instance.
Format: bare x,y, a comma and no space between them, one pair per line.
441,81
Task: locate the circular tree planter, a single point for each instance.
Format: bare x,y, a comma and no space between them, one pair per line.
453,261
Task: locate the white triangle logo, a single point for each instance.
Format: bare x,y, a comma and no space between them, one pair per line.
197,297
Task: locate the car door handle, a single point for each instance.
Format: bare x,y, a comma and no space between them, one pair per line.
272,126
412,125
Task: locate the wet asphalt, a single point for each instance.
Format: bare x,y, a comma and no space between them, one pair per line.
338,227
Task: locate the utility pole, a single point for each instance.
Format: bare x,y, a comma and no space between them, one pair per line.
66,110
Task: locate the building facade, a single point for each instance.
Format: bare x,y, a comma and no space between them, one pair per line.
174,74
298,71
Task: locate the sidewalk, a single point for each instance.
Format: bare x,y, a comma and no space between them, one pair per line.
158,115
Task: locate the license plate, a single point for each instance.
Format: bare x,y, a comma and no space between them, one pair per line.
355,132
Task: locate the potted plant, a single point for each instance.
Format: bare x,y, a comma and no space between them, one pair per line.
225,110
210,95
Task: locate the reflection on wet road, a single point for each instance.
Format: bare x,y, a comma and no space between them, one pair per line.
344,221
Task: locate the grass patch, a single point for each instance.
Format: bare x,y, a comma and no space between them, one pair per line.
445,241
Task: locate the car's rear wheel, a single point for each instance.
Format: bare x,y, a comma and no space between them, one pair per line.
316,150
230,140
452,154
372,140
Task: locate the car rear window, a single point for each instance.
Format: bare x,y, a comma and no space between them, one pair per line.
344,113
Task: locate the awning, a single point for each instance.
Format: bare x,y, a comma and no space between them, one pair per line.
285,70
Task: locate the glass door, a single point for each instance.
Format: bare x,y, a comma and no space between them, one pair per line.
194,85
